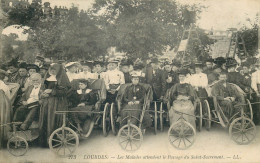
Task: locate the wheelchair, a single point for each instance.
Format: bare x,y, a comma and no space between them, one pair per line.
182,133
130,135
240,125
65,140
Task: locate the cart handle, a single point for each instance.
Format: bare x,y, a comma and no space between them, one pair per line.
15,123
63,112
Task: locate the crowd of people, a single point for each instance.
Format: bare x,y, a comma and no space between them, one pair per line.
33,92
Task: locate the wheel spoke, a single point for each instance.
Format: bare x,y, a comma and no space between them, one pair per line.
71,144
59,144
246,137
58,136
184,142
56,140
236,132
124,132
238,136
136,139
69,150
59,149
126,144
131,145
175,140
187,139
135,134
135,145
175,135
179,143
236,128
242,137
63,151
123,141
71,139
123,136
249,128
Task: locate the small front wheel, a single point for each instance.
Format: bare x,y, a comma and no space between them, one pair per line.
242,130
130,137
63,141
181,134
17,146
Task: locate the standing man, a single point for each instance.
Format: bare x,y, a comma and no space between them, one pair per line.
125,69
98,70
170,77
157,80
209,66
113,79
235,77
39,61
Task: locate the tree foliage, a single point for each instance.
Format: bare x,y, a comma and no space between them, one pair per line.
135,27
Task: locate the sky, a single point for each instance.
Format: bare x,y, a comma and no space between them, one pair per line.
219,15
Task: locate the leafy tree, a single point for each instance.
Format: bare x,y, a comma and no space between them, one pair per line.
142,27
250,36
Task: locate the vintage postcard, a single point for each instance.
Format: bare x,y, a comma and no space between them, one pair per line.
129,81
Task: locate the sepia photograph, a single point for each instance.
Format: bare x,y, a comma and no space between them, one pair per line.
115,81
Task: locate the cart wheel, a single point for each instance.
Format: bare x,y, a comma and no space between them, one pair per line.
17,146
161,117
63,141
250,109
106,120
130,137
113,118
207,115
181,134
199,114
155,118
242,130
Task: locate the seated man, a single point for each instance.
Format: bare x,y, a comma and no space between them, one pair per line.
30,102
227,95
133,99
87,98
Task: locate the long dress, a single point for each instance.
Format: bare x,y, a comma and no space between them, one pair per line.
57,101
181,97
5,117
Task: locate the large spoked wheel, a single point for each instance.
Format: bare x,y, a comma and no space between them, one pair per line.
199,115
155,118
17,146
242,130
161,117
207,115
63,141
113,118
130,137
249,109
181,134
106,120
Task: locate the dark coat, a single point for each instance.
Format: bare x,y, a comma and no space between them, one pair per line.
238,79
174,77
127,77
221,92
134,93
158,83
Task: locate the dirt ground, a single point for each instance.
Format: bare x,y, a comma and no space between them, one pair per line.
210,146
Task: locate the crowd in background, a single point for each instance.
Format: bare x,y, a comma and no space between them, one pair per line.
47,85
